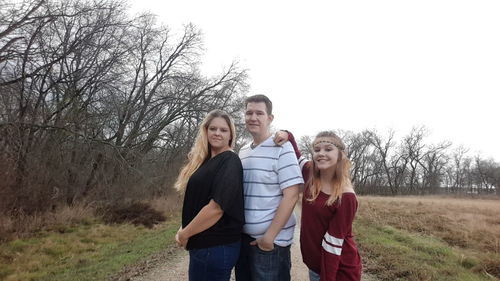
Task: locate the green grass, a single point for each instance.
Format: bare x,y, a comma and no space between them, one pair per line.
400,255
83,252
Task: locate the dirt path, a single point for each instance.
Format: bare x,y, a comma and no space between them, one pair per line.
176,266
172,265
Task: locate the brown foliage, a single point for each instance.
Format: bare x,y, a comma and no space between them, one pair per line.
136,213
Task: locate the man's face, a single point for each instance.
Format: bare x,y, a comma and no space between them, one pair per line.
256,119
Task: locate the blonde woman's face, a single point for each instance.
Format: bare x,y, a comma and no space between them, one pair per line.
325,154
218,133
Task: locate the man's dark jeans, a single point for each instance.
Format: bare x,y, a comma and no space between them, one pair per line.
257,265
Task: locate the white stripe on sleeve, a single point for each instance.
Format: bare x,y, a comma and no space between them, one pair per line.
330,249
302,161
333,240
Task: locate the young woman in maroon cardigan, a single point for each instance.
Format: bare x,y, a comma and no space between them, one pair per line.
329,206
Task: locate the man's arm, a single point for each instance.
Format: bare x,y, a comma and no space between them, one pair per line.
285,209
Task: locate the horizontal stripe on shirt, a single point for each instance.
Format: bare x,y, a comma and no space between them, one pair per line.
261,222
288,152
264,183
262,196
284,228
260,209
298,177
259,157
291,165
285,240
263,170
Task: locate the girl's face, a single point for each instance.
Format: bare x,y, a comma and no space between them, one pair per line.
218,133
325,154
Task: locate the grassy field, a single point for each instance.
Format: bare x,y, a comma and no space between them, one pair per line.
401,238
81,249
429,238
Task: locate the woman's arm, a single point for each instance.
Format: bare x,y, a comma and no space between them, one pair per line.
333,240
207,217
282,136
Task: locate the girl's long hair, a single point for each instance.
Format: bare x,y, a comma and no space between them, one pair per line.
201,147
341,177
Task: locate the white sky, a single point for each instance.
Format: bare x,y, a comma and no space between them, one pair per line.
357,65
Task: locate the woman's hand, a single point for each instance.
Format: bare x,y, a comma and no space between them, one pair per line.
181,239
281,137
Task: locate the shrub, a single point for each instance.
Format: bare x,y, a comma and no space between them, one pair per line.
136,213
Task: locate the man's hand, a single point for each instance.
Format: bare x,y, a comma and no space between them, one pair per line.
264,243
280,138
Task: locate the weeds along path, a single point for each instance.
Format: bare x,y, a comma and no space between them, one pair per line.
173,265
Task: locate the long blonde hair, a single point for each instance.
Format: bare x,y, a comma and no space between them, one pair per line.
201,147
341,177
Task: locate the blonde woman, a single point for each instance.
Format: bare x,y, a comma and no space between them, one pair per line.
329,206
212,213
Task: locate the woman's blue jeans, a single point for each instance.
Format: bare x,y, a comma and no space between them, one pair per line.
214,263
313,276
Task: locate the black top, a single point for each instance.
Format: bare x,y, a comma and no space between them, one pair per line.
219,178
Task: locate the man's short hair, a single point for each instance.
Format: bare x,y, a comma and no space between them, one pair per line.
261,98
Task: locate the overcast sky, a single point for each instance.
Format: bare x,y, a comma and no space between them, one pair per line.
357,65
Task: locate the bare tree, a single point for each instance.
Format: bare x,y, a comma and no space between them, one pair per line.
485,174
413,152
434,164
387,163
99,100
305,146
360,152
458,172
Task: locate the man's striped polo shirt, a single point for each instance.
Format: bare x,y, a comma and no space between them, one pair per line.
267,170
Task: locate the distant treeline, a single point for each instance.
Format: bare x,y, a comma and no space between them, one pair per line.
96,104
387,166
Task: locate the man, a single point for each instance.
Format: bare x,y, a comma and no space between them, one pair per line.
271,179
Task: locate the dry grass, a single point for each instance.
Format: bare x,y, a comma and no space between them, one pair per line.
23,225
84,252
169,205
470,226
465,223
71,243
